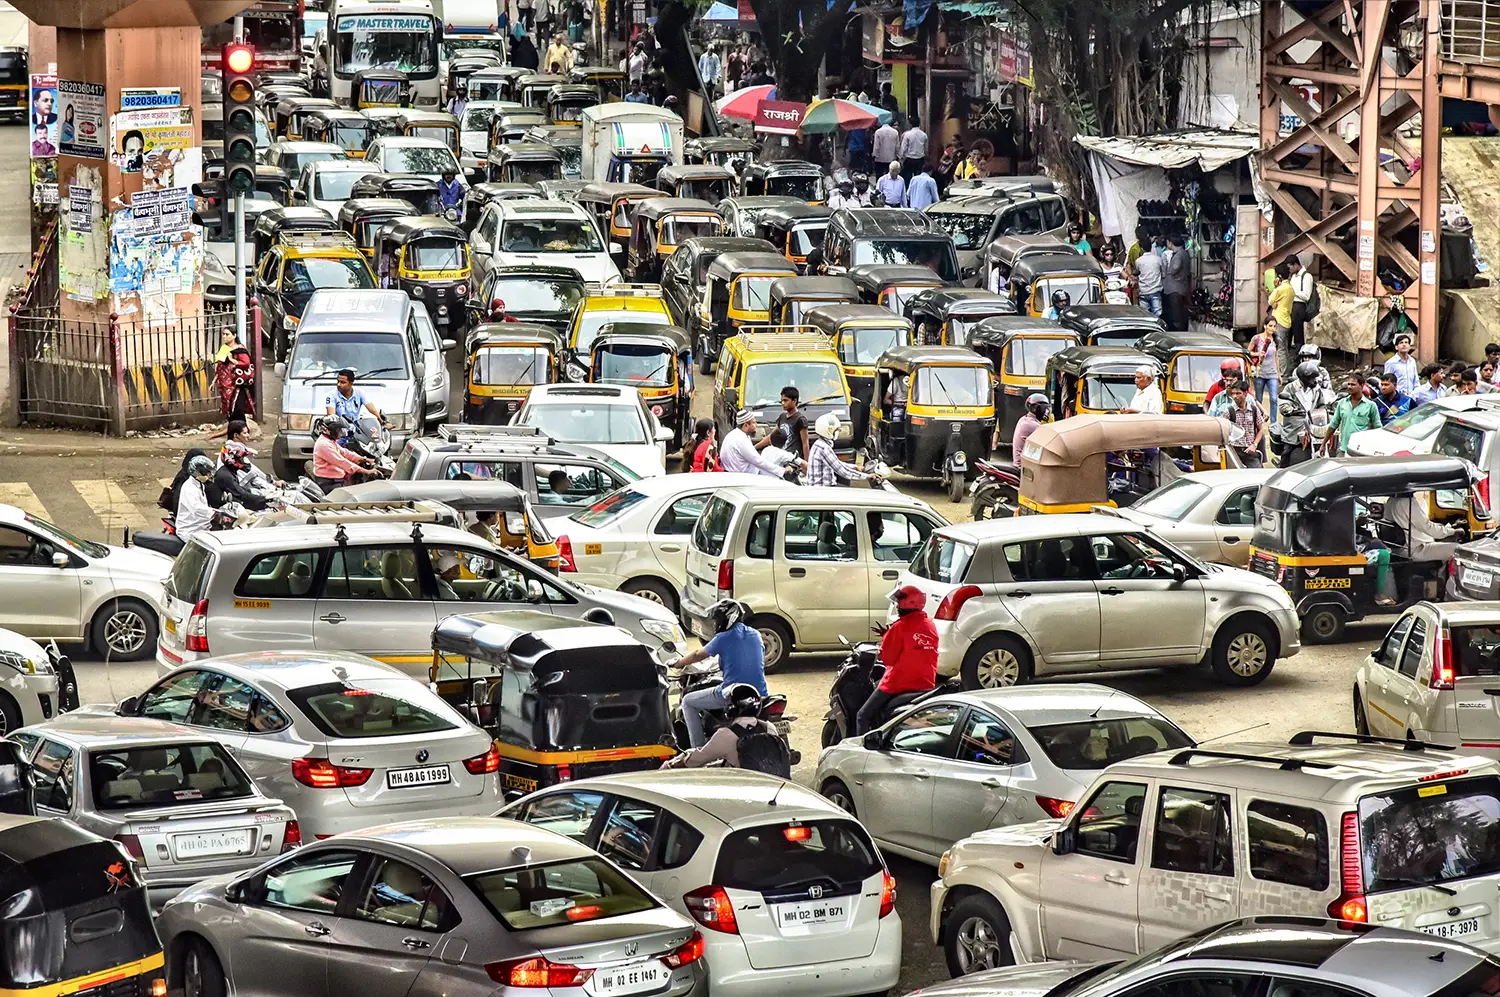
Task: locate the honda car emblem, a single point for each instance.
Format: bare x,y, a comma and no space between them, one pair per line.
815,892
632,947
422,755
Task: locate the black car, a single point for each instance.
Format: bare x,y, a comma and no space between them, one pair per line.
682,278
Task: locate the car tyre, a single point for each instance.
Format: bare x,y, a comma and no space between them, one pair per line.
1361,721
976,936
996,661
1324,624
1241,653
776,638
10,714
124,630
705,363
835,792
655,591
201,975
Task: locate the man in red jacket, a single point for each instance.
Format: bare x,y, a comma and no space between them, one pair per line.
909,650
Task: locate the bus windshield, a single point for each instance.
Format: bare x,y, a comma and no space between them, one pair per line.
13,65
407,42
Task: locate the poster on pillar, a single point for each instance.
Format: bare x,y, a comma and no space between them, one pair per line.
43,138
83,264
80,106
159,145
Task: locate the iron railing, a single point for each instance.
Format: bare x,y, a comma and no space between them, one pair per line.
1471,31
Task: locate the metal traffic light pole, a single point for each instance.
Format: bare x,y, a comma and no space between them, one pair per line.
239,227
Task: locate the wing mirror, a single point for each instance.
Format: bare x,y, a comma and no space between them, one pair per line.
1179,573
421,369
534,591
60,559
280,369
663,434
448,344
616,249
1065,841
128,707
874,741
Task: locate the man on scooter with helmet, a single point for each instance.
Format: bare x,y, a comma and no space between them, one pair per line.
742,661
746,742
1038,411
1304,410
909,651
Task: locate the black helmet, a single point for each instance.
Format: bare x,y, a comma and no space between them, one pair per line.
861,180
1307,373
1061,300
1037,405
725,613
742,700
335,426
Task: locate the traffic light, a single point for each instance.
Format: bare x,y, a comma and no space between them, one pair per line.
239,118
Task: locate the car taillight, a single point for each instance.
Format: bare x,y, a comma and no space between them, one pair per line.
320,773
1054,807
687,953
711,907
887,894
132,845
1442,663
196,631
485,763
565,554
1483,488
954,601
292,836
537,972
726,575
1350,905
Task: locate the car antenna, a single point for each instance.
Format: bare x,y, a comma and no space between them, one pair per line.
775,796
1242,730
1102,703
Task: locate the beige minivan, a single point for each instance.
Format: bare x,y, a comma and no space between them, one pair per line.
813,563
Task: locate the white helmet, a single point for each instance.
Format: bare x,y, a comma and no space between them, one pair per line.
827,426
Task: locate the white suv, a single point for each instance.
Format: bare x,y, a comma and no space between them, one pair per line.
556,233
1396,834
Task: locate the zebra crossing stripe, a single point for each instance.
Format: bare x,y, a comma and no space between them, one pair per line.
108,502
20,495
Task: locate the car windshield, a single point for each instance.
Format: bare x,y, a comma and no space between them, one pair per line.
677,229
498,365
970,232
532,293
639,366
805,238
863,346
943,559
952,386
443,133
293,162
1173,501
590,322
340,709
1028,355
753,294
425,160
325,354
1426,419
311,274
1431,833
541,896
817,380
581,421
165,774
1106,394
1096,743
477,119
610,507
65,538
336,185
549,235
937,256
437,254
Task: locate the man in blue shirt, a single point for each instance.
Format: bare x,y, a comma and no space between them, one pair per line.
892,187
1434,385
742,659
345,401
923,191
451,190
1390,402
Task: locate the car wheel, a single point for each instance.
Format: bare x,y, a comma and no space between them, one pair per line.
655,591
124,629
705,363
10,714
776,639
202,974
835,792
1361,722
996,662
1242,653
976,937
1324,624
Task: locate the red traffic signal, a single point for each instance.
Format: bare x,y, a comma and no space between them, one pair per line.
239,58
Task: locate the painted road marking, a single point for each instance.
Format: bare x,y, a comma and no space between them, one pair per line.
20,495
108,502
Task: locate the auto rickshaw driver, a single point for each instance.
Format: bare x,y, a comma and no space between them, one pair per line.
895,404
1061,302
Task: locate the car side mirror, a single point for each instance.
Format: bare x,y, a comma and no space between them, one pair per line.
534,591
421,369
280,369
1179,573
448,344
874,741
60,559
128,707
663,434
473,174
1064,842
299,197
481,247
616,248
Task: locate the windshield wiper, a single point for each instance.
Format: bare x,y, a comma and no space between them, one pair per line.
826,398
381,370
1386,884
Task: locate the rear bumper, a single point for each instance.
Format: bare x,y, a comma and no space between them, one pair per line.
951,648
731,975
333,814
693,614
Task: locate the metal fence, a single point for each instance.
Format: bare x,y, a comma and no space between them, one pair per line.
1471,31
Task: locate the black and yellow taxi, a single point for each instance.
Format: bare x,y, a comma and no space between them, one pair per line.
362,217
292,269
349,130
736,296
757,364
861,335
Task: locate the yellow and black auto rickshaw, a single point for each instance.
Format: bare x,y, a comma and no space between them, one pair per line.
362,217
566,101
524,162
291,114
1335,532
77,914
495,83
657,360
1019,346
564,699
707,183
504,361
533,88
1110,325
1000,257
794,229
1035,279
383,120
737,295
512,126
1191,362
892,285
660,226
1084,380
945,316
608,82
933,412
380,88
791,297
428,258
613,207
788,177
349,130
567,140
721,150
861,335
420,193
270,225
421,123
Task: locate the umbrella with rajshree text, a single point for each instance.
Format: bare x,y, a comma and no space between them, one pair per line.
744,103
831,115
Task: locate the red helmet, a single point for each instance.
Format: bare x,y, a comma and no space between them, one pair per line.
907,598
1229,365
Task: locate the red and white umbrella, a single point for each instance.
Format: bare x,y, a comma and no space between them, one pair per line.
744,103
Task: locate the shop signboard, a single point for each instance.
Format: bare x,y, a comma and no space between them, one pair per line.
779,117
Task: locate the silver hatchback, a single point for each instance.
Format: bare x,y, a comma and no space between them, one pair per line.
175,799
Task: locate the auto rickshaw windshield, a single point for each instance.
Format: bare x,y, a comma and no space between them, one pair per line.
531,293
572,160
1027,356
350,135
937,256
502,365
549,235
485,90
805,238
1108,392
803,188
942,385
817,381
862,347
713,190
1081,289
423,202
436,254
534,172
1195,371
642,366
677,229
752,294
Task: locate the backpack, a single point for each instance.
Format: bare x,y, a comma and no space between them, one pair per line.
1314,303
762,750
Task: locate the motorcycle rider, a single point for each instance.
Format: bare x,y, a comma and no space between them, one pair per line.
1061,302
334,466
194,512
234,462
909,650
843,196
742,661
741,743
1038,411
863,193
1299,401
1306,353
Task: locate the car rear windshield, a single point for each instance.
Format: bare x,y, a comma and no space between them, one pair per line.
935,254
1476,651
774,858
713,526
341,710
1174,501
1093,744
942,559
561,893
1431,833
1457,439
161,775
189,573
610,507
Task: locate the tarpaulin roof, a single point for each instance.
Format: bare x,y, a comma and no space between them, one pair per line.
1208,148
722,12
976,8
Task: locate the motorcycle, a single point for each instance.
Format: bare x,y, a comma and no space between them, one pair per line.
995,493
1301,430
371,438
858,676
792,466
1116,291
706,675
167,542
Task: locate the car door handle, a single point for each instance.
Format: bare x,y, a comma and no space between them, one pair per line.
416,943
1492,692
1111,591
671,548
1118,878
917,774
890,575
797,572
317,929
1222,898
992,784
1018,594
1231,540
333,618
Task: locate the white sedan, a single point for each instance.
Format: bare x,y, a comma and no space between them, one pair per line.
30,679
635,538
608,417
1414,432
1208,514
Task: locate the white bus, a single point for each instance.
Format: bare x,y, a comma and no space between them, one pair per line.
384,34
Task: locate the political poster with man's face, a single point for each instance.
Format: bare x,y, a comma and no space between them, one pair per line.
43,116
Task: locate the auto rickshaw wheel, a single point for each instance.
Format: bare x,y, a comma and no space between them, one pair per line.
956,485
1324,624
705,363
201,975
1241,653
995,662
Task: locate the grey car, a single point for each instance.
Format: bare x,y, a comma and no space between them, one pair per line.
429,909
1278,956
173,797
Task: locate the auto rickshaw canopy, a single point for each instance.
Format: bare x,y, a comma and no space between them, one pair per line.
1314,485
1108,325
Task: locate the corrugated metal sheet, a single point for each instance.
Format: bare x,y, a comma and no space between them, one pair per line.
1207,148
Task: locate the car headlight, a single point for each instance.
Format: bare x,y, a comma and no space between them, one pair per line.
19,662
297,423
398,420
846,431
291,322
943,864
663,630
435,381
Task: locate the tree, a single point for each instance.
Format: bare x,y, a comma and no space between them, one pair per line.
797,34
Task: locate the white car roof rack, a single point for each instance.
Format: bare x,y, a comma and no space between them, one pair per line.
462,432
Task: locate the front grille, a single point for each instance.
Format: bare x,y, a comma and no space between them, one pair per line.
1267,566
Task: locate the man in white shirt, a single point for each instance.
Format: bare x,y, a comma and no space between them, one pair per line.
636,65
913,150
737,451
1302,289
709,68
1147,398
886,143
194,514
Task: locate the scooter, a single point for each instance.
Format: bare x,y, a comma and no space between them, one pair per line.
706,675
372,438
858,676
792,466
996,493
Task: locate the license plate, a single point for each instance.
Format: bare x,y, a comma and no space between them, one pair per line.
430,775
810,913
171,625
632,979
1476,578
1462,928
700,627
195,846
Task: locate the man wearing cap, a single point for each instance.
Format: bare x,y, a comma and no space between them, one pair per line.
446,569
1147,399
737,451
